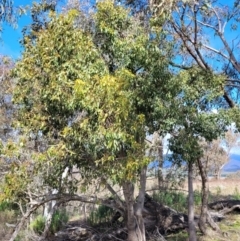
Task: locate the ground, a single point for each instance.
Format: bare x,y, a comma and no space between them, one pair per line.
220,189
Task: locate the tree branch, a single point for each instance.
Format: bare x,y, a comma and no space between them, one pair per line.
216,51
228,99
180,66
61,198
219,21
183,38
232,58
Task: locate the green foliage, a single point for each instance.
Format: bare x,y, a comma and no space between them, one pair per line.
15,182
86,95
5,205
38,224
174,199
197,197
236,194
102,214
200,93
59,219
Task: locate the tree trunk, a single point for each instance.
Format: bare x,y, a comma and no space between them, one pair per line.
140,202
135,222
22,222
191,224
218,174
48,222
204,207
160,165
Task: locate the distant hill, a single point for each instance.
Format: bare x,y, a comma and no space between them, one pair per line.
233,165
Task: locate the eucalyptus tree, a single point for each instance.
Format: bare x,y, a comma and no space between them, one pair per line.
199,92
94,96
7,109
205,33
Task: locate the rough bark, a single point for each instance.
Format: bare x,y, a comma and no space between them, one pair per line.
160,165
205,217
205,194
140,202
128,191
191,223
135,221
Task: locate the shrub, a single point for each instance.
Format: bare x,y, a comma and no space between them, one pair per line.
236,194
197,198
177,200
100,215
4,205
58,220
38,224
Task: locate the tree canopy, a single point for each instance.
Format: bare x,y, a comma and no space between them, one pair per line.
89,89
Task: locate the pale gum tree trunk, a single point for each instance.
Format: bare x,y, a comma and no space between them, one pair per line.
191,224
135,222
48,223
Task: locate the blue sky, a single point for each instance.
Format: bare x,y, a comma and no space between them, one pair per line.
10,37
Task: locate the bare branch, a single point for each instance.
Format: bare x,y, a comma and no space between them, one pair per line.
233,85
219,20
232,58
207,25
180,66
184,38
228,99
61,198
216,51
233,80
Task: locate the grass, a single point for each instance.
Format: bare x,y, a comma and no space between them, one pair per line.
102,214
181,236
59,218
7,215
219,190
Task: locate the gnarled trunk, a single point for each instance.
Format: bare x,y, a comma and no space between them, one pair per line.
135,222
204,207
205,217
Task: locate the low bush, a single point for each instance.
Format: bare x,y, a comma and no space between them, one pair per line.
38,224
4,205
100,215
176,200
58,220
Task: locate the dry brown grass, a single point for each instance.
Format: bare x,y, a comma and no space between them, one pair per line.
224,187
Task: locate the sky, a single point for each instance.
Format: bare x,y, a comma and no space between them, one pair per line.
10,37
